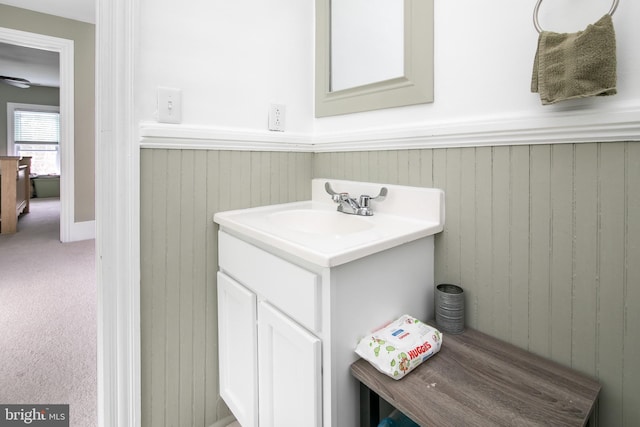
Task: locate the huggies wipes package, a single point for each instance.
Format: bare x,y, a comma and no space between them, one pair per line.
400,347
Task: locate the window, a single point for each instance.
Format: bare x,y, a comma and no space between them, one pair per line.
35,132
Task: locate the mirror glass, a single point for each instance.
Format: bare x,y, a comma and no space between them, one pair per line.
367,42
373,54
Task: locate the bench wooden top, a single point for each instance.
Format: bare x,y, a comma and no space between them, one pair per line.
477,380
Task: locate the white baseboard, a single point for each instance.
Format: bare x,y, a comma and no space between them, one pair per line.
82,231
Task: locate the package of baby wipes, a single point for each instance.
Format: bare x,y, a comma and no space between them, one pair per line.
399,347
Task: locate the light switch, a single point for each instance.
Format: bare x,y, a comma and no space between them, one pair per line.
169,105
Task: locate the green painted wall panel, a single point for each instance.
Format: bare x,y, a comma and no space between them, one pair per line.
468,224
585,261
501,244
544,239
540,251
561,267
519,245
483,286
180,192
631,343
610,309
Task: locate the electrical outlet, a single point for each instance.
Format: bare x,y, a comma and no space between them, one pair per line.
277,115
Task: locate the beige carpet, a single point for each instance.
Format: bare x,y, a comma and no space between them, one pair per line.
48,316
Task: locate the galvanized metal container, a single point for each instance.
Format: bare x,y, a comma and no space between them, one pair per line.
449,302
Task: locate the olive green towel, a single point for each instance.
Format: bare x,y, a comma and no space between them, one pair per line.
576,65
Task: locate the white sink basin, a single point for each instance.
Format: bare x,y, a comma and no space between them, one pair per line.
314,231
320,222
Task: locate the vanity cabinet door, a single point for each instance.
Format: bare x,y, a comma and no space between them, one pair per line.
237,336
290,373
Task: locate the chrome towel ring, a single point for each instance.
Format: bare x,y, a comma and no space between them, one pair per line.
536,24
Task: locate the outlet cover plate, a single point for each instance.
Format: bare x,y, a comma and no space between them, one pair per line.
277,116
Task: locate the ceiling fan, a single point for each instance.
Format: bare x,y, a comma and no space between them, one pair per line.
16,81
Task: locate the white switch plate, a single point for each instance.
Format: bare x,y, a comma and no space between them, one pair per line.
169,105
277,115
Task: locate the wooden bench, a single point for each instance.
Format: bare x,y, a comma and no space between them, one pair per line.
478,380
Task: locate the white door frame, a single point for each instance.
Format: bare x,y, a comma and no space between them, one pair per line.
66,49
117,216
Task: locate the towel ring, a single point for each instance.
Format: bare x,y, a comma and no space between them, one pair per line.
536,9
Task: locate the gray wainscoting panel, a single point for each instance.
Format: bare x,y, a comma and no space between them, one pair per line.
545,240
180,192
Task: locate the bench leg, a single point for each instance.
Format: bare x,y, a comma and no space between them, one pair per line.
371,400
593,417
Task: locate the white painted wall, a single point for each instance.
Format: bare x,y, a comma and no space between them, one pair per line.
232,59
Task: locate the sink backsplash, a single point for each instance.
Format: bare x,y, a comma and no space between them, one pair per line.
415,202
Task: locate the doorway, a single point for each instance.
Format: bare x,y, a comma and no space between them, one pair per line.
68,229
64,327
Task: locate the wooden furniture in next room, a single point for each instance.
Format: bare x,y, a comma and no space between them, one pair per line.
15,191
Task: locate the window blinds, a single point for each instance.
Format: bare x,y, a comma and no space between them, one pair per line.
36,127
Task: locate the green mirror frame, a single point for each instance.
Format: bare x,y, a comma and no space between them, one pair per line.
415,87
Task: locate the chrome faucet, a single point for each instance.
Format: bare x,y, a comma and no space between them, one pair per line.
349,205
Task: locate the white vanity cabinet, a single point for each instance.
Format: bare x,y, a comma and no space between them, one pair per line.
270,365
238,349
274,373
287,332
289,371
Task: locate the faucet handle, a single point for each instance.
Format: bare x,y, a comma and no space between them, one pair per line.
336,197
365,199
328,189
382,194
